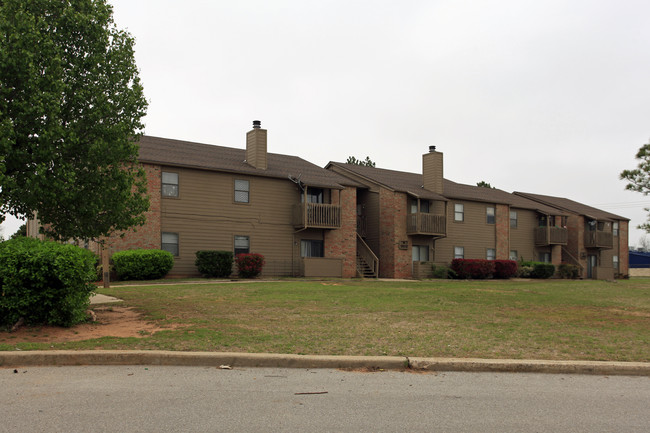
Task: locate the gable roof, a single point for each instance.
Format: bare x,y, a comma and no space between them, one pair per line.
411,183
571,206
201,156
401,181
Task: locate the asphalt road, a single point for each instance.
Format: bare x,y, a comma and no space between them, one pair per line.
204,399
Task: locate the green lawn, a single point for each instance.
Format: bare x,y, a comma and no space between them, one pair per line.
552,319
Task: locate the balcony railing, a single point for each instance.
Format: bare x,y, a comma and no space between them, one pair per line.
317,215
425,224
551,236
598,239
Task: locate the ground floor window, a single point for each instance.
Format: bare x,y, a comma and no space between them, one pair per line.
491,254
311,248
615,262
545,257
459,252
420,253
242,245
513,255
169,242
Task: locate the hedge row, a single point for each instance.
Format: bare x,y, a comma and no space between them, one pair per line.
481,269
142,264
214,264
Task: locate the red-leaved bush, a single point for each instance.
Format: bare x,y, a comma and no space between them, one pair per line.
473,268
505,269
249,265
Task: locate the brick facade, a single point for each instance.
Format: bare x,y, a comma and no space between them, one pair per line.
394,262
148,235
502,232
342,243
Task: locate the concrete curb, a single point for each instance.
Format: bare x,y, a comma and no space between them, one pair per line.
216,359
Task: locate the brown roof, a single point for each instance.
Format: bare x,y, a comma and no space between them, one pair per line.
179,153
411,183
571,206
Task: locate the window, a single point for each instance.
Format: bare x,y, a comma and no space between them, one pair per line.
491,254
169,242
311,248
490,215
513,255
424,206
242,191
615,228
314,195
545,257
615,263
242,245
459,212
513,219
459,252
169,184
420,253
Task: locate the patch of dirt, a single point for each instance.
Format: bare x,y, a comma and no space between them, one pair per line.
112,321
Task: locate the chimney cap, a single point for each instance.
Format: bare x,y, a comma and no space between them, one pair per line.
257,124
432,148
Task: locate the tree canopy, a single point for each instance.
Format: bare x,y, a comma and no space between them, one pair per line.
71,109
484,184
639,178
367,162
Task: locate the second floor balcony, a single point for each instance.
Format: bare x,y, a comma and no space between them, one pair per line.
598,239
421,223
551,236
316,215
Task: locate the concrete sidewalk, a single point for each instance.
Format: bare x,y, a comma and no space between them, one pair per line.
217,359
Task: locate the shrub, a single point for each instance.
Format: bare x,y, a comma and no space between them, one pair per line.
543,270
568,271
473,268
215,264
443,272
44,282
142,264
505,269
249,265
524,271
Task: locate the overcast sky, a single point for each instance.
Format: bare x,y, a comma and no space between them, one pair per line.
550,97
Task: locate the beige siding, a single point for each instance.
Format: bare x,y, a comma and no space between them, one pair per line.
205,216
522,238
474,233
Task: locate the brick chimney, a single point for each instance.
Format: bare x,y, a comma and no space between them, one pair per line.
256,146
432,170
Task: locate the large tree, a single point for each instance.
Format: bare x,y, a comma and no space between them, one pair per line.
71,109
366,163
639,178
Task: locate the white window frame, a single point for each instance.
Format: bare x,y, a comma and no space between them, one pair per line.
513,255
615,228
615,262
241,242
418,251
459,210
242,189
168,187
169,241
459,252
491,254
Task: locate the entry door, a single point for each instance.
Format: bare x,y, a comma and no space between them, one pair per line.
592,262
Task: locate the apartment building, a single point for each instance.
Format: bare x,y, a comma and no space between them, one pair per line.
299,216
409,221
347,220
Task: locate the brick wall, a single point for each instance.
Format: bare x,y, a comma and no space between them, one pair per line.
502,231
393,261
342,243
623,248
148,235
